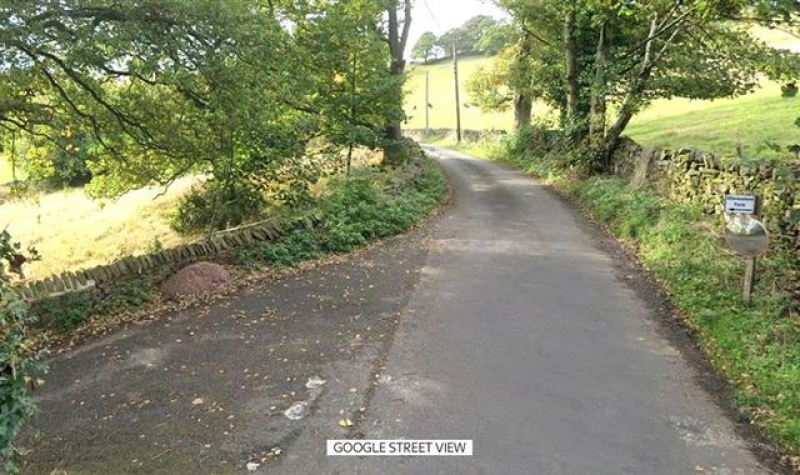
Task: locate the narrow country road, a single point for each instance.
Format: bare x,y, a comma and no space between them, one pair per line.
521,337
502,321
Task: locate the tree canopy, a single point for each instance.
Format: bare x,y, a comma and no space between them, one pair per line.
160,88
598,63
480,34
425,47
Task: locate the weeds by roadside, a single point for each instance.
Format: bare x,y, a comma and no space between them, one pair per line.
372,203
61,315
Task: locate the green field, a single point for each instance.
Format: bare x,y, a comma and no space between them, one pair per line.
715,126
721,126
442,98
748,122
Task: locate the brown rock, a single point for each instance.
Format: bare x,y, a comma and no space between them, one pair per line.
195,279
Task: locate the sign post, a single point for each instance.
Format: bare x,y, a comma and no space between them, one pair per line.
746,235
749,278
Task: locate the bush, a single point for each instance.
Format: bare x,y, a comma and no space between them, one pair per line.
539,150
533,140
299,245
19,367
55,166
628,211
370,204
64,313
789,90
217,207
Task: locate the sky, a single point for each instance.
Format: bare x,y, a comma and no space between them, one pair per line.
444,15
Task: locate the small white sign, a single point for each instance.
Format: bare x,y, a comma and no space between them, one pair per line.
740,204
399,448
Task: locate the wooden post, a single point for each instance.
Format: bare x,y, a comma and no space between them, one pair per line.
749,278
427,102
750,242
458,100
750,262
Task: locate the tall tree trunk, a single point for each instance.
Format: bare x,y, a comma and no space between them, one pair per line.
397,36
571,52
523,105
597,115
614,135
396,70
629,105
597,123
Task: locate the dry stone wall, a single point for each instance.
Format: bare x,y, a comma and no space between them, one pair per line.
158,264
688,176
467,136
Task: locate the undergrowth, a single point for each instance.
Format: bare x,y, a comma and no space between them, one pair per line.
369,204
61,315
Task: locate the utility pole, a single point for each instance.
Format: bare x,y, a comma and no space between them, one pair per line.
458,99
427,101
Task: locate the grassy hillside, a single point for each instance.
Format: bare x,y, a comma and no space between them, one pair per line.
748,122
720,126
716,126
72,231
442,97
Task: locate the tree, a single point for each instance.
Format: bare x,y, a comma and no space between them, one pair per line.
425,46
20,367
466,38
395,31
356,93
508,82
496,37
630,53
162,88
662,50
530,69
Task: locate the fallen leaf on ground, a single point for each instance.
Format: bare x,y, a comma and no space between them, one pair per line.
346,423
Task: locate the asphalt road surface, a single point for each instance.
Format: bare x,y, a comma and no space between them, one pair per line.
521,337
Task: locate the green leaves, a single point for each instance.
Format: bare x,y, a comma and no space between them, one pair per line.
370,204
18,365
425,46
163,88
623,55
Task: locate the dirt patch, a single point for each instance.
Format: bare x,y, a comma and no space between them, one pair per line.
195,279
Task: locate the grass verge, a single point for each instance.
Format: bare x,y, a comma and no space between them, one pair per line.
757,347
370,204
